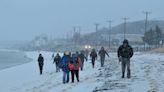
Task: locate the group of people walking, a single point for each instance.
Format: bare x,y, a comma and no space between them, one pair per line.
102,53
73,62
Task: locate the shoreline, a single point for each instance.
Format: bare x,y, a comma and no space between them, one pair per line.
14,63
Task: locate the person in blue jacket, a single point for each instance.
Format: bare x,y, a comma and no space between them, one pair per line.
65,66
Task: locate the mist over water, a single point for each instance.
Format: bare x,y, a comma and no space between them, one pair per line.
12,58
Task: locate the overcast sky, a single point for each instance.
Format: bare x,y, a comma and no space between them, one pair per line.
24,19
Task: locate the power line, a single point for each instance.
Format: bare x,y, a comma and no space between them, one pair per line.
110,29
146,23
97,25
80,29
74,29
75,41
125,21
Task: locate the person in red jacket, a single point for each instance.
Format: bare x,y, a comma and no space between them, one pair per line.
74,66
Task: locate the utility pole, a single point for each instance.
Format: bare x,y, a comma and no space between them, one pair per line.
125,20
67,36
79,30
79,36
146,22
110,29
97,35
74,35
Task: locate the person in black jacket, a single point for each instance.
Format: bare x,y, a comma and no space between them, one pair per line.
82,58
93,56
125,52
41,63
57,62
102,54
86,53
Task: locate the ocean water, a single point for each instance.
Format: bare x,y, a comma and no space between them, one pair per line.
12,58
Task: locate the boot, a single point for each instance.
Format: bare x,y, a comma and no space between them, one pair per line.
40,73
81,69
128,77
123,75
129,74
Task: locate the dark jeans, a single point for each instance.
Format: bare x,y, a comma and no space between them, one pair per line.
82,65
126,63
41,68
93,62
57,68
102,61
75,73
72,75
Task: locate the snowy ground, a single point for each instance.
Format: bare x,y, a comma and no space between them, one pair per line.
147,76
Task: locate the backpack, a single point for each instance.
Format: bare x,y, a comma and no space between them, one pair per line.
94,54
76,65
75,61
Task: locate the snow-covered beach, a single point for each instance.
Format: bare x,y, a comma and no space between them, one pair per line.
147,76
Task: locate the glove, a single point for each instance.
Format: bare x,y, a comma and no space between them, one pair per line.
120,59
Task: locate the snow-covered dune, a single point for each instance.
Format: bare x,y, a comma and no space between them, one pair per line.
147,76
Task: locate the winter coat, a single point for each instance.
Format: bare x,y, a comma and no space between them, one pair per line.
102,53
74,65
93,55
41,60
64,63
82,57
57,59
125,52
75,62
86,53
